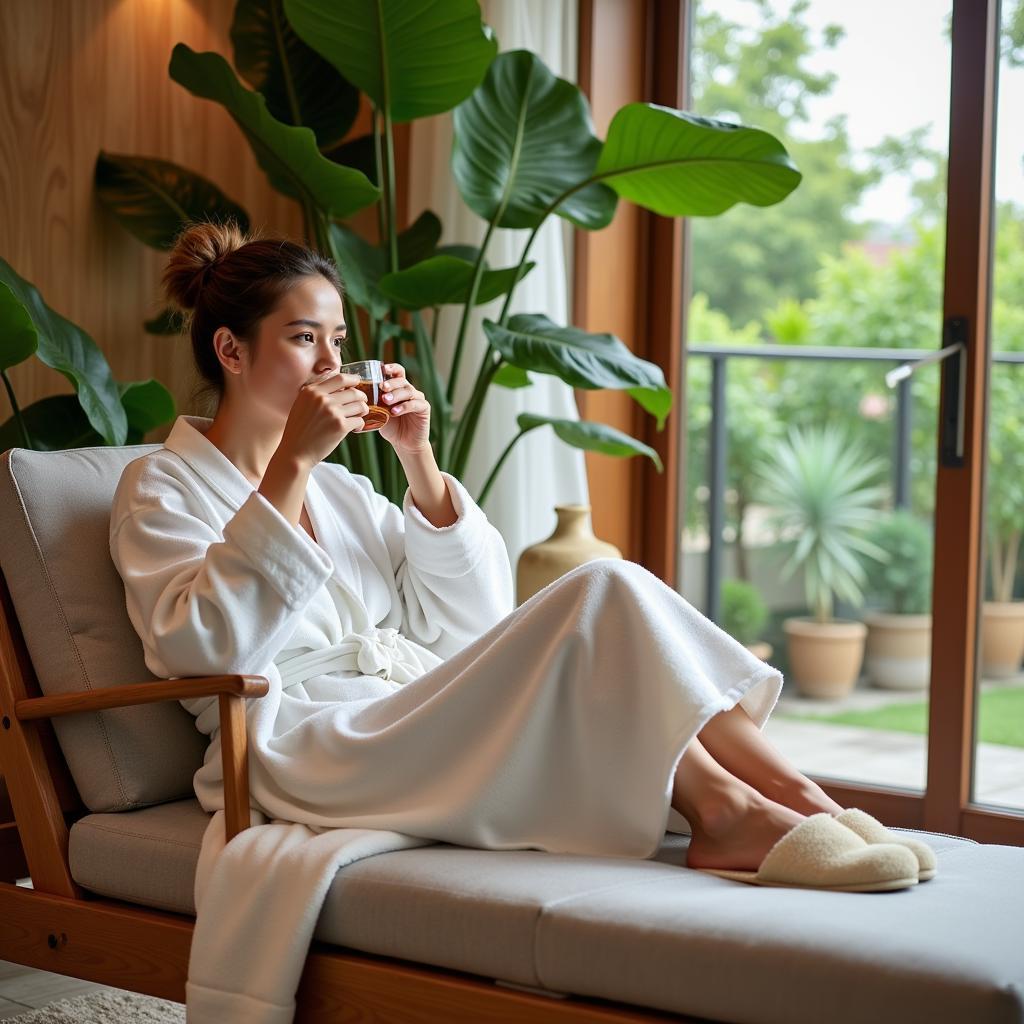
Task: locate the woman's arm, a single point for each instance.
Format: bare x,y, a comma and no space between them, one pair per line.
429,490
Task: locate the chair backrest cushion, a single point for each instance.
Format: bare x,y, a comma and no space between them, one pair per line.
69,599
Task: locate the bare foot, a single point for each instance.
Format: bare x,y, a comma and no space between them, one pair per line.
739,836
806,796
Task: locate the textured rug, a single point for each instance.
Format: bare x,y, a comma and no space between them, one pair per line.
105,1007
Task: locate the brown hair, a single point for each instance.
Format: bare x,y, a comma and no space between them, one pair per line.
221,277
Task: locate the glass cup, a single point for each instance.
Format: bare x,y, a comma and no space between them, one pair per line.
371,376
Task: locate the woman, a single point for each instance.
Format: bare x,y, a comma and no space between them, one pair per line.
407,691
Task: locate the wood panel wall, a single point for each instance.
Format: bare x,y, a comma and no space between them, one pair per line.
80,76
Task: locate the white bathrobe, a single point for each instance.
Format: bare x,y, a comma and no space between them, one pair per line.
410,702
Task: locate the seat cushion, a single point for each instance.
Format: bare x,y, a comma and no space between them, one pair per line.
69,598
649,932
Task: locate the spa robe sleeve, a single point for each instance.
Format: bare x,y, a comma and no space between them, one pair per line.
455,582
207,605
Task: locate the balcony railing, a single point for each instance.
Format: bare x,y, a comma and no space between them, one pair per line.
719,356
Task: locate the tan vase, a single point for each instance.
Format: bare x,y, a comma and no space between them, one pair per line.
899,650
572,544
1002,638
825,657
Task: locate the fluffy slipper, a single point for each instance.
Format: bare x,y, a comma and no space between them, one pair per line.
821,853
871,830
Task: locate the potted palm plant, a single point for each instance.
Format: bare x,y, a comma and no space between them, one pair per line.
821,490
899,636
744,614
1002,621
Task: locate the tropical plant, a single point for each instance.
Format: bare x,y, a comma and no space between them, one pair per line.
819,486
101,410
524,149
903,582
744,612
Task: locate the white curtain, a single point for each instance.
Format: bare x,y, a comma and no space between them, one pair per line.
541,471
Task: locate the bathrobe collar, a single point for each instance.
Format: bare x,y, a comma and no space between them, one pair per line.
187,438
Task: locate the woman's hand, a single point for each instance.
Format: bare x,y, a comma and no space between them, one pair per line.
408,429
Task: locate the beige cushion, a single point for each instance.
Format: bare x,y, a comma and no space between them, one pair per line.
648,932
55,557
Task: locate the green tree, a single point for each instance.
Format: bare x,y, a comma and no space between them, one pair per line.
755,71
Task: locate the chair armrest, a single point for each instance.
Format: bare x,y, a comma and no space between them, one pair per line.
139,693
231,691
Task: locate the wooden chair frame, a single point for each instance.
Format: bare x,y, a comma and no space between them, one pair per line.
58,926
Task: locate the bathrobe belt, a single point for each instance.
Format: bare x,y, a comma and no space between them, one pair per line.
382,652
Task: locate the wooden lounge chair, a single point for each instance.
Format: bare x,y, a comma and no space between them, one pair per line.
98,758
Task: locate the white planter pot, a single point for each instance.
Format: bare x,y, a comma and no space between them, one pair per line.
898,652
1002,638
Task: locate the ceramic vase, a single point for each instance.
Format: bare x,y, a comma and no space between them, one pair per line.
572,543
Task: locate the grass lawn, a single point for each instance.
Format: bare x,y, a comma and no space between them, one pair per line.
1000,717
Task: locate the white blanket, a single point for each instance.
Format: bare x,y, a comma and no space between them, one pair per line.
409,701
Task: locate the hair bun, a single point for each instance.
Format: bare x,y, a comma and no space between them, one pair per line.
198,248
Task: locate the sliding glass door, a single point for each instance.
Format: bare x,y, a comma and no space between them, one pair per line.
852,358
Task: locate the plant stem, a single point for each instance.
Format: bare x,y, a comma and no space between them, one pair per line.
443,418
425,356
393,473
467,424
378,157
17,411
352,321
389,152
497,466
503,319
369,441
478,272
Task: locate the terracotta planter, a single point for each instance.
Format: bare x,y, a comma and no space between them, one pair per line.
572,544
825,657
898,653
1002,638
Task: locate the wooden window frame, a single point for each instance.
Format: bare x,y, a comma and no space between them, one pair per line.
639,51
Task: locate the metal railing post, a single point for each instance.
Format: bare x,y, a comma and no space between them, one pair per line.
904,422
718,438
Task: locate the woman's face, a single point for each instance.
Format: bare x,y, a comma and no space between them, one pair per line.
299,339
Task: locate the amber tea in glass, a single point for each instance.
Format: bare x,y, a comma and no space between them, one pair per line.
371,376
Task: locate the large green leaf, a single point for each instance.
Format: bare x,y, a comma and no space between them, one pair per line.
419,240
680,165
154,199
595,437
532,342
148,404
287,154
64,347
413,58
300,87
58,421
523,139
53,423
508,376
18,336
362,265
443,280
